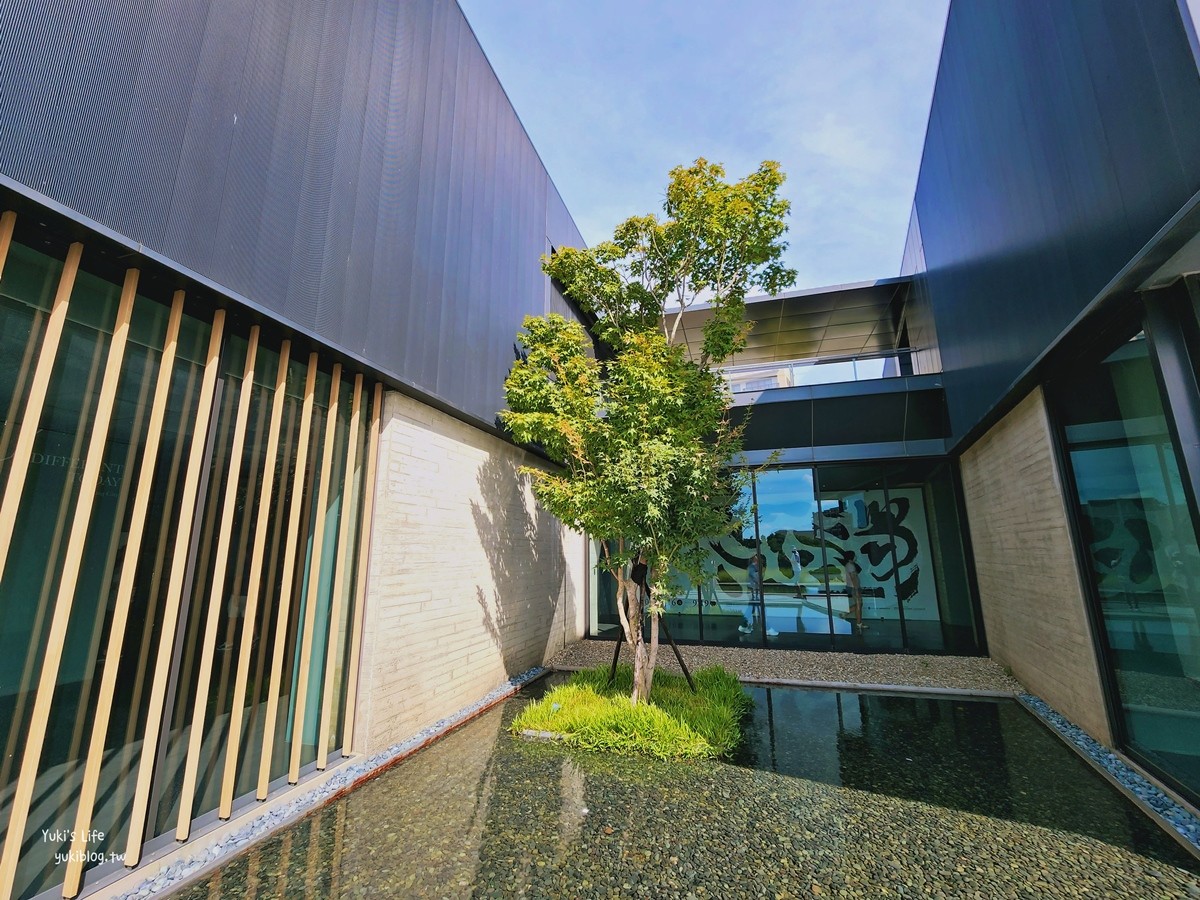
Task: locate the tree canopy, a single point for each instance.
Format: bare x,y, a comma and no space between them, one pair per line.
642,429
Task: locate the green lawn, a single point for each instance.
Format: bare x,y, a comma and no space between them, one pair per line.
676,724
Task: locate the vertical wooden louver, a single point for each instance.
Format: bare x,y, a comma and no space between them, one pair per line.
286,586
68,580
364,554
178,566
314,577
120,617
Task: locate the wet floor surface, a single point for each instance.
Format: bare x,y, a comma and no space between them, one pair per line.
834,795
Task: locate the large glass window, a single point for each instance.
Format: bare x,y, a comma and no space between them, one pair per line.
137,690
795,597
730,594
939,612
604,621
122,754
35,564
848,557
869,540
1141,545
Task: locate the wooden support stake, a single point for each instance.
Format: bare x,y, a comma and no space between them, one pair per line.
678,655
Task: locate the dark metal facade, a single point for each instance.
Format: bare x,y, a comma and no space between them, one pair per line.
878,419
351,167
1062,136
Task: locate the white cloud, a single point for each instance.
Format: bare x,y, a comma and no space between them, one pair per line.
614,94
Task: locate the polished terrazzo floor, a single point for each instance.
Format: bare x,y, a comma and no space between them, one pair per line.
833,795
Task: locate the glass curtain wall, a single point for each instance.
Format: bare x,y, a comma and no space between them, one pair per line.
863,526
897,527
729,598
1141,549
169,479
846,557
794,564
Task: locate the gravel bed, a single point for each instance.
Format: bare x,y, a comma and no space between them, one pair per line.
481,814
964,673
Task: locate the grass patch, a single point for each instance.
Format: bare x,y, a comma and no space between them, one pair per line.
675,724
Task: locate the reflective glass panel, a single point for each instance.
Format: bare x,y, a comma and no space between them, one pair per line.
869,535
35,563
681,613
730,591
939,615
795,601
169,776
604,619
1142,548
271,606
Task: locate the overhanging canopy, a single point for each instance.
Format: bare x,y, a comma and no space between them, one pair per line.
845,320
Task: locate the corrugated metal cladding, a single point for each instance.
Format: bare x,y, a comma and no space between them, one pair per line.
351,165
919,324
1062,136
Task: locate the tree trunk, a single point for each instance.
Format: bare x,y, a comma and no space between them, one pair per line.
641,672
641,660
626,599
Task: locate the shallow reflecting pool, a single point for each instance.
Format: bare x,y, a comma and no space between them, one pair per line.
834,794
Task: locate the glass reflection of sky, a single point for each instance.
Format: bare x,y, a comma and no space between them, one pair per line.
786,501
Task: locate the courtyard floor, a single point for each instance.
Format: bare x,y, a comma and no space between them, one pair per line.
963,673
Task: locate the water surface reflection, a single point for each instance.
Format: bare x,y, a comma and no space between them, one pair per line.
838,791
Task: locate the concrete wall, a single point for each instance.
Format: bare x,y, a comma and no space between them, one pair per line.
1029,586
470,581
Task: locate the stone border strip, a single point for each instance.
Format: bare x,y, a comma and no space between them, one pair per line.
1174,819
189,867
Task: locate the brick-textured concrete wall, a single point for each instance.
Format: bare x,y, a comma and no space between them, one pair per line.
1033,601
470,580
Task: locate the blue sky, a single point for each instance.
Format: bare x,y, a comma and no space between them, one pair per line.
615,93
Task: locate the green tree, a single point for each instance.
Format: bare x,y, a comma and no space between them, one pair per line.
643,433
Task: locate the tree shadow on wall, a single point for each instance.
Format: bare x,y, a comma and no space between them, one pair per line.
525,552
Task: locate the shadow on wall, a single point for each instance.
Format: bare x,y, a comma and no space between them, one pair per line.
525,552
